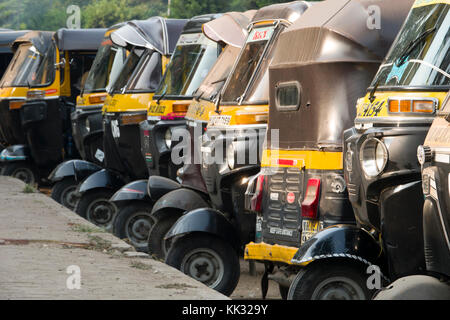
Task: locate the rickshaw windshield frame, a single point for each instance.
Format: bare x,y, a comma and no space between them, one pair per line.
419,59
99,77
29,63
134,58
235,74
203,52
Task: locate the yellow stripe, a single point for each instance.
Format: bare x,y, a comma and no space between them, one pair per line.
129,102
305,159
422,3
264,251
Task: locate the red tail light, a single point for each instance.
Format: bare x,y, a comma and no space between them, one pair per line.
257,197
310,204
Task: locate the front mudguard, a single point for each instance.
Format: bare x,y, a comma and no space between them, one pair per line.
158,186
179,200
18,152
103,179
206,220
417,287
76,169
133,191
341,241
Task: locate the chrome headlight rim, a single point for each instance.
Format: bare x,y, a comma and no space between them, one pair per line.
168,138
369,157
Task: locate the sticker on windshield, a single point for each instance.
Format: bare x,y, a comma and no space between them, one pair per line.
260,34
219,120
191,39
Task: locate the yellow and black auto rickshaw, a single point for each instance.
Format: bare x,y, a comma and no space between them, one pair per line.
313,90
49,70
228,31
87,129
150,43
381,170
15,84
7,38
209,235
434,157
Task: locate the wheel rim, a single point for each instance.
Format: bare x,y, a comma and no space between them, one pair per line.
204,265
338,288
68,197
138,227
24,174
101,212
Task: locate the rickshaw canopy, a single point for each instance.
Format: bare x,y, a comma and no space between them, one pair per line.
7,38
79,39
231,28
289,12
156,33
323,63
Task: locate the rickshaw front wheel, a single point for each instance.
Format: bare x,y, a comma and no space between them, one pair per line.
207,259
95,207
330,280
64,192
157,245
21,171
134,222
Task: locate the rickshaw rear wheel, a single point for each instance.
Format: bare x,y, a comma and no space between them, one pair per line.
95,207
134,222
21,171
156,243
63,192
207,259
330,280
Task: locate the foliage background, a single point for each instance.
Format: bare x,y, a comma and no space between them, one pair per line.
51,14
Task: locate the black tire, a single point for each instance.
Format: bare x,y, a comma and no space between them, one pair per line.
330,280
157,246
95,207
63,192
216,255
283,291
134,222
21,171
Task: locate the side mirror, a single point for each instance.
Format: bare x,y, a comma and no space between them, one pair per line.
61,64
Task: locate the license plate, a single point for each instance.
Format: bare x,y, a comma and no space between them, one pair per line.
310,228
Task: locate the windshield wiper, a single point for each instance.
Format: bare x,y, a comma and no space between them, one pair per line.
412,45
162,95
374,89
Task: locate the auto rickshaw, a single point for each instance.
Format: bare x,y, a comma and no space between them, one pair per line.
150,43
208,238
434,157
313,89
52,76
15,84
381,170
86,121
7,38
228,31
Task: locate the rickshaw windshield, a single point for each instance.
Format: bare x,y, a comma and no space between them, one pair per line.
29,67
420,56
247,66
105,67
190,64
128,67
148,74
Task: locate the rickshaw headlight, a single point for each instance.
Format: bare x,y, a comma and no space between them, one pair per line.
230,156
168,138
374,157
